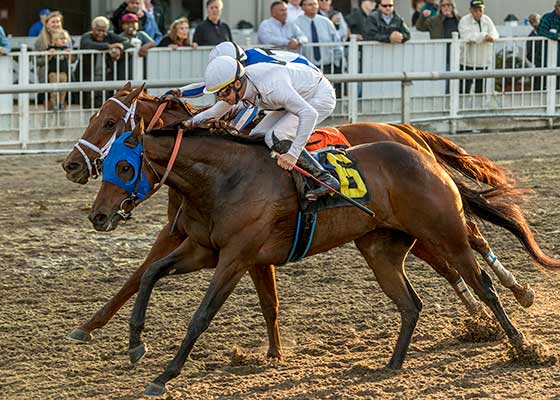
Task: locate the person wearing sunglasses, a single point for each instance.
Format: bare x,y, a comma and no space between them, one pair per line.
385,25
296,97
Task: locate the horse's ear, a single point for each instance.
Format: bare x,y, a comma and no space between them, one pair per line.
139,129
134,94
127,87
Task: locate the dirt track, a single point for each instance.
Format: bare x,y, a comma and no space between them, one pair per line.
338,329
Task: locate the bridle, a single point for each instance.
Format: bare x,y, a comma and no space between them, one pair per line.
133,198
95,166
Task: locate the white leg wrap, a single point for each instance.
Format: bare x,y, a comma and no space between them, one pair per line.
465,294
506,278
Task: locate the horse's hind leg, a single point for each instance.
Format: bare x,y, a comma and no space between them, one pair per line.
165,243
440,265
187,258
385,252
265,282
525,295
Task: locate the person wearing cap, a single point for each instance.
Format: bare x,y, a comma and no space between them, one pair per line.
244,115
128,6
131,34
278,31
37,26
297,98
480,33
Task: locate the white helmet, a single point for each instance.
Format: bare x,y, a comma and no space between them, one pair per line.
222,71
228,49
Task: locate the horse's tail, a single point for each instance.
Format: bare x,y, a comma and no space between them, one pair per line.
498,206
477,168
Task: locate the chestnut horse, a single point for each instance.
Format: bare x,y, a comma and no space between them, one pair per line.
101,129
412,196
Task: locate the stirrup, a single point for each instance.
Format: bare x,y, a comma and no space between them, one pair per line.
328,179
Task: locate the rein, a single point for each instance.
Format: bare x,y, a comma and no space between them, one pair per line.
95,166
133,198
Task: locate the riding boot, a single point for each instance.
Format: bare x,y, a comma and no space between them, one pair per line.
311,165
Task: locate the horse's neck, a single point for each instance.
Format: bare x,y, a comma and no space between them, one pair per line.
147,109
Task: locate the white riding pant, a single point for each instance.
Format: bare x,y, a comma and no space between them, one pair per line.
284,124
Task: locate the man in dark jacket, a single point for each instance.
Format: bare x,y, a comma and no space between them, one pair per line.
128,6
212,30
385,25
357,19
443,24
100,66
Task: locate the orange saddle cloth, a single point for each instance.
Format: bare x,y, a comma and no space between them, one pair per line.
325,137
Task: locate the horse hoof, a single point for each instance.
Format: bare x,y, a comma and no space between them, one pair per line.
526,297
274,353
154,390
137,353
80,336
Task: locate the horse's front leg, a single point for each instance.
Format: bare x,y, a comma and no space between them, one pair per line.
265,282
227,275
189,257
165,243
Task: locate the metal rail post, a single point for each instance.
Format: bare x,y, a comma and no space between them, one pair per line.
551,79
353,61
454,57
23,98
406,102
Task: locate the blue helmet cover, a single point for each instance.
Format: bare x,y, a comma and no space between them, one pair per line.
121,152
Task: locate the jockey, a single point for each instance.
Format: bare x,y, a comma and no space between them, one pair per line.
296,96
245,114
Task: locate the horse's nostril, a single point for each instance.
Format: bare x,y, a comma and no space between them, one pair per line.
71,166
98,218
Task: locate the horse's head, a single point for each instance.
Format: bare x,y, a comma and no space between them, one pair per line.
125,181
84,161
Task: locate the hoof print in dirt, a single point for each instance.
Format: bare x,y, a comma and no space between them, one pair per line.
154,390
532,354
79,336
480,330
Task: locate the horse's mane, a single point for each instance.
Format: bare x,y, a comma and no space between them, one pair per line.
221,134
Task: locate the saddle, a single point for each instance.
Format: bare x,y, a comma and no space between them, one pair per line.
338,163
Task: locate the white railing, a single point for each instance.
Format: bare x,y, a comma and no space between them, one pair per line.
26,120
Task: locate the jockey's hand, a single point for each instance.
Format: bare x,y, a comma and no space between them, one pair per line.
216,124
171,94
188,125
286,161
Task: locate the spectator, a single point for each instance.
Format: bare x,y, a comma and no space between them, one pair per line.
4,45
385,25
357,19
417,6
154,8
128,6
294,10
212,31
549,27
442,25
58,68
53,23
479,31
152,27
319,29
100,66
178,35
534,49
278,31
36,28
431,6
326,10
132,35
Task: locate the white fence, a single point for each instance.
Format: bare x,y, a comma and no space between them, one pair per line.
28,121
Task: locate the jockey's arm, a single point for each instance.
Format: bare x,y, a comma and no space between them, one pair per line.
218,110
307,118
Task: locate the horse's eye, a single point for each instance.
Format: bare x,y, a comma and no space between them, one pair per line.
109,124
125,171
